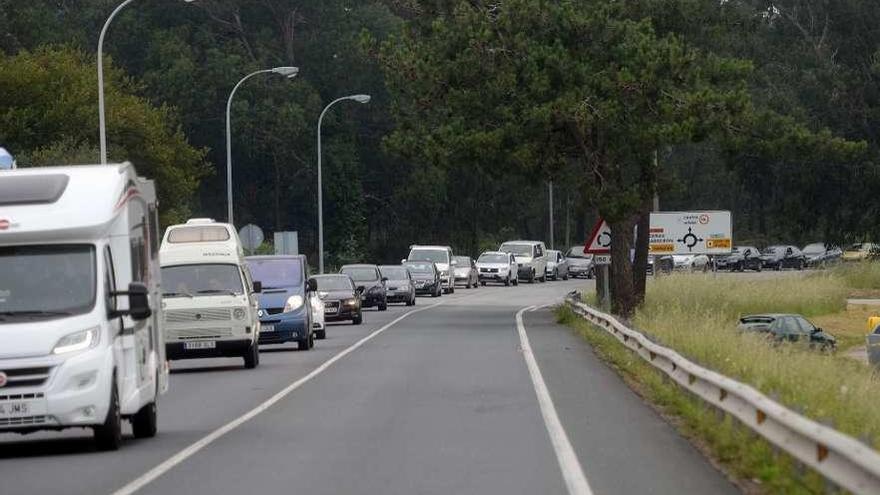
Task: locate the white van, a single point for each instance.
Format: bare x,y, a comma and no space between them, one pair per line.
531,259
208,295
440,256
81,342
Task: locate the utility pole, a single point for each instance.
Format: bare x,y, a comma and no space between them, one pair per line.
550,188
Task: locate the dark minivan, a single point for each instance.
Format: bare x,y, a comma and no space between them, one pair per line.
285,303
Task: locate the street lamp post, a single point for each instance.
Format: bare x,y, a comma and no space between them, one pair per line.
102,126
359,99
288,72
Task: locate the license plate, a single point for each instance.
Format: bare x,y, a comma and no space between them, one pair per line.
210,344
20,409
267,328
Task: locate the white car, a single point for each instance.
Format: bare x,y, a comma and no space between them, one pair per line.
497,266
691,262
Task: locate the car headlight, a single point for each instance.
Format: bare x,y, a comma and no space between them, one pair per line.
238,313
78,341
293,303
351,302
444,273
504,269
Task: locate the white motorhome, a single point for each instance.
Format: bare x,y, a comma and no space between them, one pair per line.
81,342
440,256
209,296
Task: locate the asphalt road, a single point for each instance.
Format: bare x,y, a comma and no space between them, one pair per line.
441,400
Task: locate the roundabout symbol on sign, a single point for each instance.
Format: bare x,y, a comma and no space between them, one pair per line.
690,239
604,239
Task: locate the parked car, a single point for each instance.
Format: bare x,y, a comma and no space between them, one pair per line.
740,259
531,259
557,265
580,264
368,277
780,257
290,310
497,266
660,264
441,256
341,299
465,272
820,254
861,251
426,277
788,328
400,286
691,262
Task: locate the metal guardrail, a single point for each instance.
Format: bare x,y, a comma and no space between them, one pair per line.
840,458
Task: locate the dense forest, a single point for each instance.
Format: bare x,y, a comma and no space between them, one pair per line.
476,107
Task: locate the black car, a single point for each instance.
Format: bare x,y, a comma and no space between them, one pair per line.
399,286
426,277
342,301
820,254
368,276
780,257
742,258
796,328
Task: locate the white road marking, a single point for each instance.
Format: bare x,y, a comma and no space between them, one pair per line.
188,452
572,472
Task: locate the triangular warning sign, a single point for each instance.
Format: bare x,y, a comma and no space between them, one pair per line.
600,239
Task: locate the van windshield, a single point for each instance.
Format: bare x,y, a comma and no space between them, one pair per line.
201,280
277,273
46,281
517,249
432,255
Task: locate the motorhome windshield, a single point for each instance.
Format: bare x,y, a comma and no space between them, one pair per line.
46,281
277,273
201,280
432,255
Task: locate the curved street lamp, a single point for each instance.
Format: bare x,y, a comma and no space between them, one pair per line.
102,126
359,99
288,72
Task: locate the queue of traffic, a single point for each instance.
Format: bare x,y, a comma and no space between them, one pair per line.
95,303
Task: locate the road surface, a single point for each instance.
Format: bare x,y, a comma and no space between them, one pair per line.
427,400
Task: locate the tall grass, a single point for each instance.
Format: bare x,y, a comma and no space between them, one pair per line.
696,315
862,276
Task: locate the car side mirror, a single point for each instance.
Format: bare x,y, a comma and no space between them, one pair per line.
454,263
402,261
138,301
312,285
384,279
359,290
258,287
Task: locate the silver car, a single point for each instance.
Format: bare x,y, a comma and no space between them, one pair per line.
557,265
580,264
465,272
497,266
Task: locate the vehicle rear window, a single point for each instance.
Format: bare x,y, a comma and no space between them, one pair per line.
204,233
32,189
360,274
334,283
394,272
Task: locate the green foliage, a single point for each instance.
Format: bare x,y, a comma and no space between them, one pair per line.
50,115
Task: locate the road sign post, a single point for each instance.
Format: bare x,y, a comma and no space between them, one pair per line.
599,245
251,237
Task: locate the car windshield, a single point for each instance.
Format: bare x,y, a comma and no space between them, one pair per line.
576,252
393,272
772,250
814,248
334,283
46,281
205,280
463,261
517,249
276,273
360,274
420,267
736,250
494,258
432,255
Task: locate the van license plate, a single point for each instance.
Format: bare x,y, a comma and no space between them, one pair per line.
210,344
267,328
21,409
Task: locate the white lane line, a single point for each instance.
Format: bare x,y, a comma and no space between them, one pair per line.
188,452
575,480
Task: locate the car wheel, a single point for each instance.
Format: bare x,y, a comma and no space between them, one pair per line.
436,292
383,306
108,436
565,277
307,343
483,283
800,266
412,301
759,268
144,422
507,282
778,267
516,281
532,277
321,334
252,356
358,319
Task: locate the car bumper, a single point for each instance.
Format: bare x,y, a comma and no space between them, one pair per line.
373,299
398,296
222,348
579,270
76,393
426,289
286,329
493,277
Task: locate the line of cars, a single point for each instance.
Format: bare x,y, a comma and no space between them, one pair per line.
750,258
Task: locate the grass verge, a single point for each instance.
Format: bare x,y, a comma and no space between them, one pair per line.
749,460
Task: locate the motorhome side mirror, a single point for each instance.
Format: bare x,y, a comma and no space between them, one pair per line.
258,286
360,290
312,285
138,301
454,262
384,279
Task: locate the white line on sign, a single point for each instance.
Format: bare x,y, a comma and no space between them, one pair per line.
188,452
572,472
